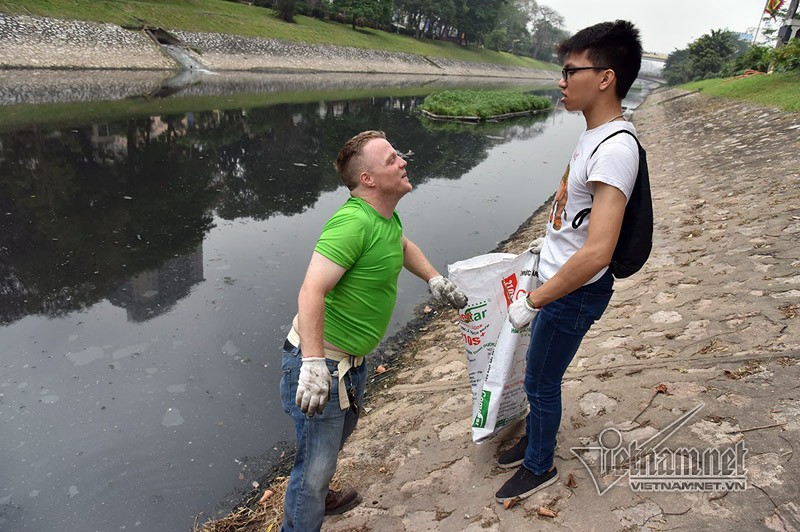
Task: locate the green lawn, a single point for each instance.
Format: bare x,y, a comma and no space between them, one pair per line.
219,16
775,90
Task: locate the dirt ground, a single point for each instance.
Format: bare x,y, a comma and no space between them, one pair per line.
712,320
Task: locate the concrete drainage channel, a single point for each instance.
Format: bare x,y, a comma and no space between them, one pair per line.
191,68
173,47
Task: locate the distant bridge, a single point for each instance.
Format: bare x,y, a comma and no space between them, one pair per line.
652,67
655,57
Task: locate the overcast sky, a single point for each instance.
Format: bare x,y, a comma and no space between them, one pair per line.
665,25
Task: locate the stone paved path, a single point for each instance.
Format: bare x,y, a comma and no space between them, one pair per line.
713,319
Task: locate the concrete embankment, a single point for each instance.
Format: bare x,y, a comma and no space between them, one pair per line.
36,42
712,320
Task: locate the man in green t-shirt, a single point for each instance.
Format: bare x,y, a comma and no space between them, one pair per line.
344,308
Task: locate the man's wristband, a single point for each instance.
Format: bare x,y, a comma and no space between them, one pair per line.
530,306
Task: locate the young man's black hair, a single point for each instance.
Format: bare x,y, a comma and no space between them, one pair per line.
615,45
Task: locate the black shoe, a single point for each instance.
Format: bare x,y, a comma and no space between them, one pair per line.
513,457
524,484
338,502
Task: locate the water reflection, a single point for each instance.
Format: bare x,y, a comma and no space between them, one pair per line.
89,210
148,270
153,292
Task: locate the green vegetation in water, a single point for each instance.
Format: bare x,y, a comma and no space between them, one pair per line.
215,16
482,104
775,90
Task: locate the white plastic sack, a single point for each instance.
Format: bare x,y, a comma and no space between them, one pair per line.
495,349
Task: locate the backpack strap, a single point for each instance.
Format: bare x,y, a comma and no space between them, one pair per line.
612,135
636,235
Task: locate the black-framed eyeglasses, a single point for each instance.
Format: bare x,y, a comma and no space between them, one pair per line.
566,71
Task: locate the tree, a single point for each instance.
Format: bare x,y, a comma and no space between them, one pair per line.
511,32
709,54
546,31
755,58
787,58
286,9
476,18
676,68
376,13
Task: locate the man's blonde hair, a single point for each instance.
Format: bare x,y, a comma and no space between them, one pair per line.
349,162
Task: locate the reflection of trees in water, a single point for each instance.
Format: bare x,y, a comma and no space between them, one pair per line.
86,210
466,145
80,216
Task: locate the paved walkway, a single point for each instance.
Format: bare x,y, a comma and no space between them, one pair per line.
712,320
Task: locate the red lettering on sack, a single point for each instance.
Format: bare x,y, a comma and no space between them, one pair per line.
469,340
510,287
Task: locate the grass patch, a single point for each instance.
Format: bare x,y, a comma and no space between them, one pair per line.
218,16
774,90
482,104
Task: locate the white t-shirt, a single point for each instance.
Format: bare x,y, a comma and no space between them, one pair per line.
616,163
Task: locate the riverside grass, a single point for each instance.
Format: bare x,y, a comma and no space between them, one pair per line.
218,16
482,104
775,90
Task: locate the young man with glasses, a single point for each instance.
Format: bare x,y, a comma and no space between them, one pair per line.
600,64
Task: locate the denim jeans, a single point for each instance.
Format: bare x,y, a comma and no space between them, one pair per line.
319,440
556,334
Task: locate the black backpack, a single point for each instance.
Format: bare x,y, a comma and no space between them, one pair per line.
636,236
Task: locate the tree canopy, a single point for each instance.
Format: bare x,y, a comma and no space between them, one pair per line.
521,27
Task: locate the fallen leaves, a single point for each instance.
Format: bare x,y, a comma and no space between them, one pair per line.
661,388
571,481
751,368
545,511
509,503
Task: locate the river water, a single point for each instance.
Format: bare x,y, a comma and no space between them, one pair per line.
149,267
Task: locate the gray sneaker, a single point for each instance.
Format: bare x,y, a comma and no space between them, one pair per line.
513,457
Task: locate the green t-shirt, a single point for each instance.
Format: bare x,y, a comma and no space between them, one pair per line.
370,247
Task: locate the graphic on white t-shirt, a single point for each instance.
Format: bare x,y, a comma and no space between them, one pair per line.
558,211
615,164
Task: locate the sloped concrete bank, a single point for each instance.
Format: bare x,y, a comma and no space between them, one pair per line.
713,319
37,42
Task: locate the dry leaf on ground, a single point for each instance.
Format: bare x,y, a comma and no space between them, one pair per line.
545,511
509,503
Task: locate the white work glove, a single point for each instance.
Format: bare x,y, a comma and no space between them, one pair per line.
446,291
521,313
313,386
536,245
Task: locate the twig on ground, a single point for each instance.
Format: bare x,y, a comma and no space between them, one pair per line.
757,428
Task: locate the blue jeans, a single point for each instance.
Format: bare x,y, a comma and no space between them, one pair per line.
319,440
556,334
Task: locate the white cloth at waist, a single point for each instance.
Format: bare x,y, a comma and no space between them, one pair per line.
346,362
